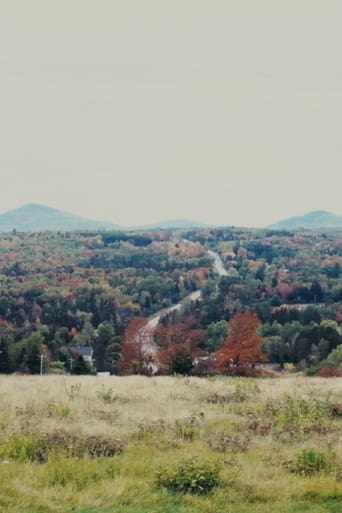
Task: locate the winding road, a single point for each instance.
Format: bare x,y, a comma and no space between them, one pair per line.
218,264
145,334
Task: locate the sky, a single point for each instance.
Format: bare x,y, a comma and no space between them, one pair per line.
135,111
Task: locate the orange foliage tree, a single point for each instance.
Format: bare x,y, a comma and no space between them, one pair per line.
242,347
133,357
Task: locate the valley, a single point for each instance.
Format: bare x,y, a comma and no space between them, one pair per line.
176,290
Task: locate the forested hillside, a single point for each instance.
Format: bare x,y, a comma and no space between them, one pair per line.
64,292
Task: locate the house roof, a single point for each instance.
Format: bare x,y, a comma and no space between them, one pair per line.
82,350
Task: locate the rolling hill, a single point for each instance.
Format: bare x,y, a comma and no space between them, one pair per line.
34,217
314,220
182,224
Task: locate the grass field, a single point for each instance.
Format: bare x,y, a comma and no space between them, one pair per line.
97,445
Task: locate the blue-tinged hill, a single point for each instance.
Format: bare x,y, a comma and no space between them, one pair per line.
178,224
35,218
315,220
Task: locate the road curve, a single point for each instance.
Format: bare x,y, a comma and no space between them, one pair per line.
218,264
145,334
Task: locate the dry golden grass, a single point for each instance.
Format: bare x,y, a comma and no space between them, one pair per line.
255,429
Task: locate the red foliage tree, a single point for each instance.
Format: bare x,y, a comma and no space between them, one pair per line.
242,347
178,343
133,357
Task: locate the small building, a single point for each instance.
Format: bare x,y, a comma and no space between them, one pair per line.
87,353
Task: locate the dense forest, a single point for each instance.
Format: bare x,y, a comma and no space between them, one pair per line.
79,301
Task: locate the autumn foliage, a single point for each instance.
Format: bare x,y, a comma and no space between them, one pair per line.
329,372
242,348
133,353
178,346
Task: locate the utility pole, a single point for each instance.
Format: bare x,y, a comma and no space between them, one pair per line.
41,356
71,360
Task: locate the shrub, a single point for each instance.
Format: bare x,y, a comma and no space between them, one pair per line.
56,368
96,445
58,444
313,370
310,461
189,476
329,372
55,443
64,444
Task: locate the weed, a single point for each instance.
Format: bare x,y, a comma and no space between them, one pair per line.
294,409
72,472
74,391
107,396
259,426
63,411
106,416
226,442
188,428
150,428
216,398
18,447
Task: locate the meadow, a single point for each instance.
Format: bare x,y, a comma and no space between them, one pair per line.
170,444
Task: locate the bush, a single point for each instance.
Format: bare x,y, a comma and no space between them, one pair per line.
62,443
56,368
313,370
189,476
95,446
59,444
310,461
329,372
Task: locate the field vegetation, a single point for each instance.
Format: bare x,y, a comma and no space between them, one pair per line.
170,444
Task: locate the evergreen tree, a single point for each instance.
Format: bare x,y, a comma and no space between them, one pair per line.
5,362
81,366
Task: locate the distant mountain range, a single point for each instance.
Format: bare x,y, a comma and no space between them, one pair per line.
314,220
34,218
172,223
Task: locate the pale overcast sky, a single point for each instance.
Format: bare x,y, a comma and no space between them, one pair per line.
133,111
